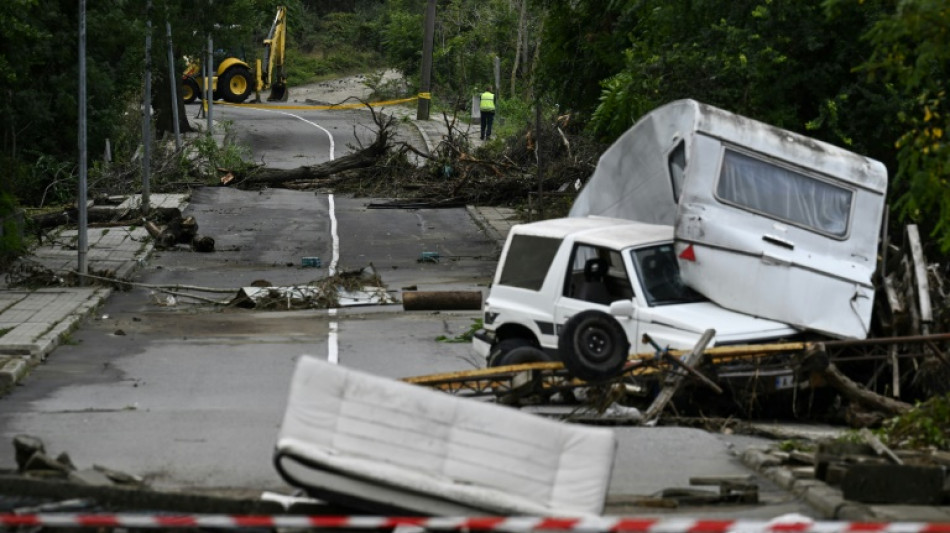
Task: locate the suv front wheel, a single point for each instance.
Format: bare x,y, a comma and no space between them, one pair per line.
499,352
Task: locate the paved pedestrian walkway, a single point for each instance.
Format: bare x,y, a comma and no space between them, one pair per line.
34,321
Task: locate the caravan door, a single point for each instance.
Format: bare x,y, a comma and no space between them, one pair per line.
779,240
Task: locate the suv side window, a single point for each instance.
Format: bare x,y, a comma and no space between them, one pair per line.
597,275
528,261
660,276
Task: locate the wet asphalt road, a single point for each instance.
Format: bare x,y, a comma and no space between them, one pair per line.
191,396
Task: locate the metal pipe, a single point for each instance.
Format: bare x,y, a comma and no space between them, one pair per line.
912,339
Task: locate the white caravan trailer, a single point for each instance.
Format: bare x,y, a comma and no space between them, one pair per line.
767,222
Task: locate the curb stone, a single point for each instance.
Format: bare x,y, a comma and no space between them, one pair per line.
827,500
11,372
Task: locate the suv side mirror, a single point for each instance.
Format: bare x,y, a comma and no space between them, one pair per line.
622,308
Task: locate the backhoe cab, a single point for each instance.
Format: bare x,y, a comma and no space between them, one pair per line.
234,80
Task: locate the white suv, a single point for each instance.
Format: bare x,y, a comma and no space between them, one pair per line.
583,290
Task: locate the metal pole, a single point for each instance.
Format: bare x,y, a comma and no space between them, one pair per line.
537,147
147,111
81,194
173,83
422,113
209,81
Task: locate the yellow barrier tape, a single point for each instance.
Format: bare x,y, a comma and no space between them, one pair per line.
425,96
315,107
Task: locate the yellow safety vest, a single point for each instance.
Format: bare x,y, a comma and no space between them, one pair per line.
487,102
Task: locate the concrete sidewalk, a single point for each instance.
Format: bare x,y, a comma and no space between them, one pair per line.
34,321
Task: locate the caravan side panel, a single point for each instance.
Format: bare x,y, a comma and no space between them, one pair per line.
778,240
633,179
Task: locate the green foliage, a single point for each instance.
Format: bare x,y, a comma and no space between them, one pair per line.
401,36
787,64
582,45
912,54
303,69
513,116
231,156
12,244
926,425
465,336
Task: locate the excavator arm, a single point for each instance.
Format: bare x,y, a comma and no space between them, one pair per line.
271,75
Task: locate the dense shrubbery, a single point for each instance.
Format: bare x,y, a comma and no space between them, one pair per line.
869,75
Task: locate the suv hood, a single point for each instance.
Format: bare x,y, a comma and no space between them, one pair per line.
731,327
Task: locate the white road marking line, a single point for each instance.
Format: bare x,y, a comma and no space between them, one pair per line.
334,237
333,348
314,124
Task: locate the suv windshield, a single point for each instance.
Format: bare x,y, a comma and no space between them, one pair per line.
660,276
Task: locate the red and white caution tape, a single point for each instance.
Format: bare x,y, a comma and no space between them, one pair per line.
487,523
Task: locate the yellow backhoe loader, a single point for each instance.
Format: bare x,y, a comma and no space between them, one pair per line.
234,79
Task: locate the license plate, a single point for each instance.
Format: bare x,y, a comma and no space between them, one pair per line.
785,381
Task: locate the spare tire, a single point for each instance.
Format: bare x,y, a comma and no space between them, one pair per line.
593,346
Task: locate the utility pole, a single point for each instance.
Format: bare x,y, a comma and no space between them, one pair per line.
424,95
147,112
173,83
81,194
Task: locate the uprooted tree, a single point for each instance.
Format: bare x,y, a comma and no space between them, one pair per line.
454,172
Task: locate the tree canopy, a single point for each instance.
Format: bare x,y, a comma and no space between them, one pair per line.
869,75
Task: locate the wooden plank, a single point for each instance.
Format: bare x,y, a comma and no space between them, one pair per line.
879,446
893,297
672,386
920,275
895,371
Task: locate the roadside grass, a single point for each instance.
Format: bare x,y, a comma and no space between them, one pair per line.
314,67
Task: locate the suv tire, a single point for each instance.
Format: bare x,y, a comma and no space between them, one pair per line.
523,355
502,347
593,346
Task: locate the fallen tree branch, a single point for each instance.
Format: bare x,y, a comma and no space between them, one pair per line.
364,158
856,393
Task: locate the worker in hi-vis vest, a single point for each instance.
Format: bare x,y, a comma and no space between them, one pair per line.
487,107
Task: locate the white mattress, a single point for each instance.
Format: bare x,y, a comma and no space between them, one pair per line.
421,442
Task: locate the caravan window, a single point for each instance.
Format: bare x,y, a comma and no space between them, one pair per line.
677,165
784,194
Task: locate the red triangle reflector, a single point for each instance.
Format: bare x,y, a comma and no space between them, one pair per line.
688,254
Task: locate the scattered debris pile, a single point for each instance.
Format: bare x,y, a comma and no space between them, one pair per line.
868,471
178,230
454,173
46,484
33,461
343,289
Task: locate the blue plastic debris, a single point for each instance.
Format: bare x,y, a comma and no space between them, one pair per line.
428,257
310,261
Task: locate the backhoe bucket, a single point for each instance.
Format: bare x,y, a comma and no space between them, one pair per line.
278,93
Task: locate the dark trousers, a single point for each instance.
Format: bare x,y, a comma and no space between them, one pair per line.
488,117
